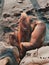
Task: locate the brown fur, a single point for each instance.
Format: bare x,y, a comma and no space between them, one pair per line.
24,33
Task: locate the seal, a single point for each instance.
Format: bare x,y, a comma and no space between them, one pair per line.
30,35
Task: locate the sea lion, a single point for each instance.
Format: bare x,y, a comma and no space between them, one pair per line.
29,35
37,36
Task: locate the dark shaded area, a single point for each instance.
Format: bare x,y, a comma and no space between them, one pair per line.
9,53
44,9
29,13
0,1
8,63
7,29
6,15
17,14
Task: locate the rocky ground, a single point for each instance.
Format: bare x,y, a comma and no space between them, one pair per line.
13,8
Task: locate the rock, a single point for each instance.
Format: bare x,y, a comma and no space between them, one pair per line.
16,8
20,1
32,17
41,4
46,16
8,5
28,9
14,5
1,32
17,14
37,56
4,61
6,15
6,50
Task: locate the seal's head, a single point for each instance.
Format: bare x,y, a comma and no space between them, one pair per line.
25,19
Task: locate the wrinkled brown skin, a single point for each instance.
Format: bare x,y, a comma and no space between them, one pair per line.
37,35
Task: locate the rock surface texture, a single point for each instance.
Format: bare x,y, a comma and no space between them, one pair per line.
37,56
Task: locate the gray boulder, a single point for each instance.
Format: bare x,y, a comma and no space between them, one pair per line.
38,56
